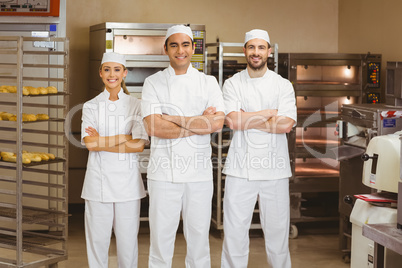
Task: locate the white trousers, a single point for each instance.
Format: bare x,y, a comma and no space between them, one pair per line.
166,202
100,219
240,198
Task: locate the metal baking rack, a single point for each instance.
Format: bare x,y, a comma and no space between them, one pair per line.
34,197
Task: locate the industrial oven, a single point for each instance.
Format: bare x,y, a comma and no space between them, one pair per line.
393,92
323,83
142,44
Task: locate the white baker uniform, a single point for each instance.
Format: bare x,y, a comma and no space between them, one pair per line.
257,168
113,186
180,170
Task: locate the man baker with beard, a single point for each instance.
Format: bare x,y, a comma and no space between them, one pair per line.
260,107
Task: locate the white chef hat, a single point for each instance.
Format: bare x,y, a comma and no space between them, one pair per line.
113,57
179,29
256,33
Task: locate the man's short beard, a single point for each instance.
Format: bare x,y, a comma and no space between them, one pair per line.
261,66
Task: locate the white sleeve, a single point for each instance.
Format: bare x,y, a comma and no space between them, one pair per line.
231,100
138,130
88,119
215,98
287,100
149,100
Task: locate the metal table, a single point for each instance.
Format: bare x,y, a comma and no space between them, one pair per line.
384,235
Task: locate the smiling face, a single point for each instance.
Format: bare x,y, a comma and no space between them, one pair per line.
112,75
257,52
180,49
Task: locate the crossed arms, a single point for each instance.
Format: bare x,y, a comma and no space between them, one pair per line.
172,126
264,120
114,144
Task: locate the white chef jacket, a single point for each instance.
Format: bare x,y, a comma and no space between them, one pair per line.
113,177
255,154
183,159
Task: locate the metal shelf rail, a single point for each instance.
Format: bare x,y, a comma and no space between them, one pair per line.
34,197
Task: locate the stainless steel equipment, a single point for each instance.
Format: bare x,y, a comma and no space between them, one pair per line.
399,215
380,173
34,196
323,83
334,74
359,124
393,92
394,97
142,43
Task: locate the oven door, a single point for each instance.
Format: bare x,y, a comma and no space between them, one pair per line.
141,45
138,71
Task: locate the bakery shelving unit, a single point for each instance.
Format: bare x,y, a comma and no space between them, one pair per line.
34,197
224,59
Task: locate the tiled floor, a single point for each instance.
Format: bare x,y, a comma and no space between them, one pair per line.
312,248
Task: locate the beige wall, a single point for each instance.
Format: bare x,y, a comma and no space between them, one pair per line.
297,26
371,26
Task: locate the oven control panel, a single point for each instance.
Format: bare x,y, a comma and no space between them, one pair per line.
373,97
197,59
199,46
30,8
373,73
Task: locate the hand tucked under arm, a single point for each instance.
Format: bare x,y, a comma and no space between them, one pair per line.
210,121
277,125
242,120
95,142
131,146
159,127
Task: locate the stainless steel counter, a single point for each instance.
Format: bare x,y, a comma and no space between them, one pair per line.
384,235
